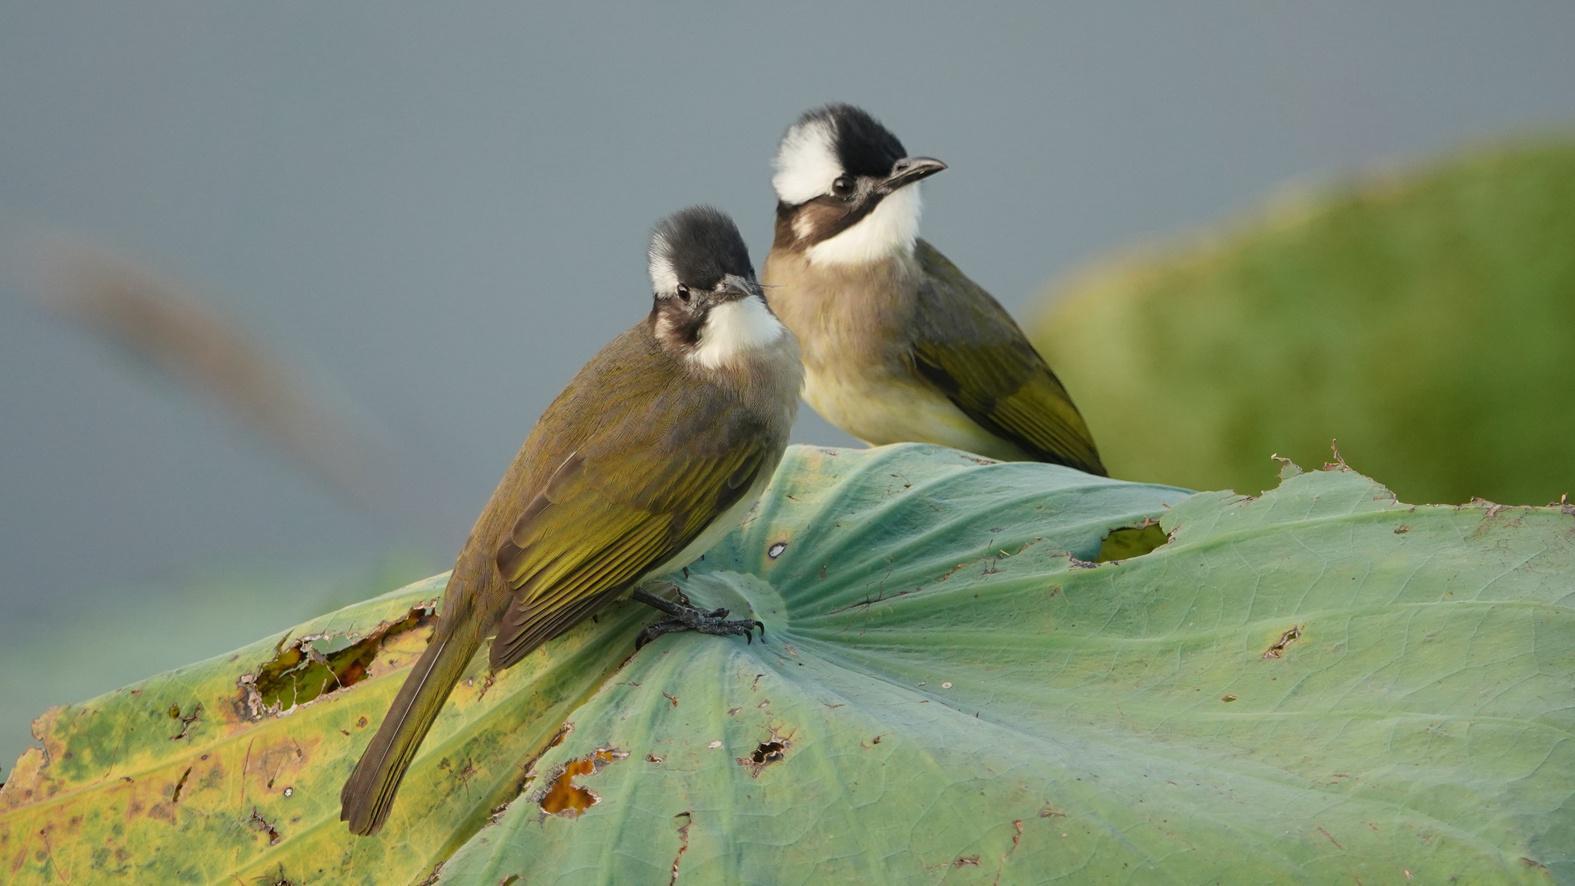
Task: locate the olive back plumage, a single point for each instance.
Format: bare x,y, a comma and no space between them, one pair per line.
642,456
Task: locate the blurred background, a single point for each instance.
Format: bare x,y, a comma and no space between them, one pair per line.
283,287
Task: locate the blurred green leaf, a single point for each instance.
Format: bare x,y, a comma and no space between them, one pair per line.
1425,319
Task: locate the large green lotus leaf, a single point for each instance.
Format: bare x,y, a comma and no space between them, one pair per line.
1423,317
230,769
1316,684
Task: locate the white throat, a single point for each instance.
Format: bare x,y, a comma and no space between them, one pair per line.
735,328
889,230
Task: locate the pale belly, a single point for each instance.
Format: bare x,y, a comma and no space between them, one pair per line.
889,410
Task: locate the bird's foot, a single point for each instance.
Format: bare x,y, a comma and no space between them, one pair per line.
684,617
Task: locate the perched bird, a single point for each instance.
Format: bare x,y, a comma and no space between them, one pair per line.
654,451
898,344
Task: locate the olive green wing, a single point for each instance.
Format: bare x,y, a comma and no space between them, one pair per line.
969,347
594,529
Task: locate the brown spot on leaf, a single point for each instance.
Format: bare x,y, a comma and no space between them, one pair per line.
683,819
1228,697
1535,865
772,750
1277,648
179,785
1402,529
317,665
185,719
966,861
257,821
569,799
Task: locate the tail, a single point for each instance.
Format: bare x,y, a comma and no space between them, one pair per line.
369,794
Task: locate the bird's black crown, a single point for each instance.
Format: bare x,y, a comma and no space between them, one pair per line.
701,245
863,145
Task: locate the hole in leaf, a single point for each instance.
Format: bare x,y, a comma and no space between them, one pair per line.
1277,649
313,666
1131,541
767,752
569,799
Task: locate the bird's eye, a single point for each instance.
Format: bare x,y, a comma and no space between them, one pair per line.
843,186
683,292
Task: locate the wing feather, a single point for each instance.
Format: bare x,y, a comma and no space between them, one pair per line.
591,533
988,369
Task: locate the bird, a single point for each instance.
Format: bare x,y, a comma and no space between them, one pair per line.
654,451
898,344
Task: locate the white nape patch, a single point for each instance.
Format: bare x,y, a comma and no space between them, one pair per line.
734,327
891,228
806,162
663,277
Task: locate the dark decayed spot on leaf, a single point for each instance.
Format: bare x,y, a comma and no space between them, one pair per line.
528,771
175,794
1277,650
261,824
1228,697
683,819
510,880
966,861
767,752
185,719
309,667
1131,541
569,799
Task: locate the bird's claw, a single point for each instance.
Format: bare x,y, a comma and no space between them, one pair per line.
714,622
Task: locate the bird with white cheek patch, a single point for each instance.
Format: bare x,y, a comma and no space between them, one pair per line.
898,344
656,449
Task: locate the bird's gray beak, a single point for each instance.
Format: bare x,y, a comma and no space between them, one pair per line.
909,170
733,287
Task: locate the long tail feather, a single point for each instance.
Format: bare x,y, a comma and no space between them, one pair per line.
369,794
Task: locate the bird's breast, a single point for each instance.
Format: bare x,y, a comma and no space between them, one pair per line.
880,406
